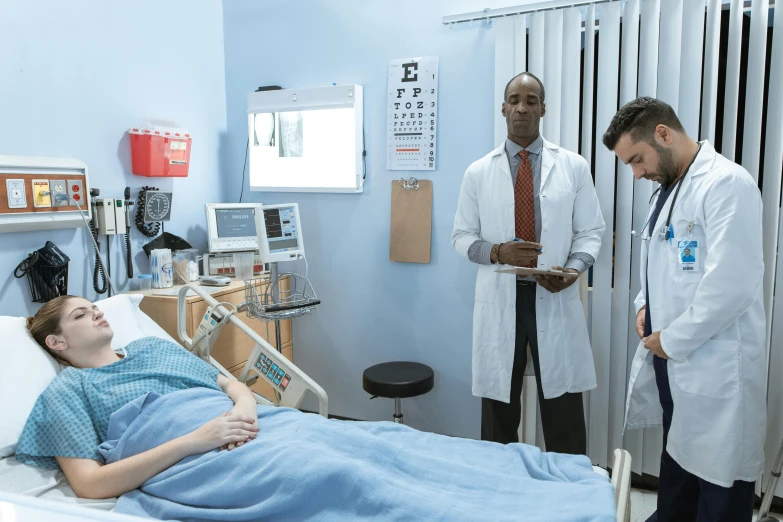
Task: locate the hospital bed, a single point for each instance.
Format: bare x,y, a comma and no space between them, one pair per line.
33,494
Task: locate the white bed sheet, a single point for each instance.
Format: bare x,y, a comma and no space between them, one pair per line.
48,484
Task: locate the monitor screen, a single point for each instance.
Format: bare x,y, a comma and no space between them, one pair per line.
281,233
235,222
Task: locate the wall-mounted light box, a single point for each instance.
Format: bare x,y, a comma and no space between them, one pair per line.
306,140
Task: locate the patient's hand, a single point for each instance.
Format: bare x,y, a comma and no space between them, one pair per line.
224,431
247,413
244,405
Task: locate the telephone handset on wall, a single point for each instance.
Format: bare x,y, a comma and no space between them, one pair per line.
99,283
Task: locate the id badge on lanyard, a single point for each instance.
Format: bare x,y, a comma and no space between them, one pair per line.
688,252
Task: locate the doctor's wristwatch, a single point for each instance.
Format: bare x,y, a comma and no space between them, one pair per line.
494,253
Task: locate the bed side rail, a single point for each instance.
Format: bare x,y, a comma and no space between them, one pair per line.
621,480
290,382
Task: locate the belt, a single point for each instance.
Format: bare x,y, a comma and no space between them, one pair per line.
522,282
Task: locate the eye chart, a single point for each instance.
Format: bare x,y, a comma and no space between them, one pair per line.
411,136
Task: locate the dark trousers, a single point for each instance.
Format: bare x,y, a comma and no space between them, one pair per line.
562,418
684,497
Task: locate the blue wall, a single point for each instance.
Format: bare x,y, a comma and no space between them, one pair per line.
75,75
373,310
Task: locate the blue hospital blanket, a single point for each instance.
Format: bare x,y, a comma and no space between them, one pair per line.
71,417
305,467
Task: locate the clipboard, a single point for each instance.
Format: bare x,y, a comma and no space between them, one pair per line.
523,271
410,238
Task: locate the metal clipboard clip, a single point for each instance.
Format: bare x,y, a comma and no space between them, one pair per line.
410,183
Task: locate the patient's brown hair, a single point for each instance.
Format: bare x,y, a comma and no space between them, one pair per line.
46,321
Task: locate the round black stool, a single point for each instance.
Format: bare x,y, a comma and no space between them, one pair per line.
398,380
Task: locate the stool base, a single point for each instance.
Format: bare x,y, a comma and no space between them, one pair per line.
398,410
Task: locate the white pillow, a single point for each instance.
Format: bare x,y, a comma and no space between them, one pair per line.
26,369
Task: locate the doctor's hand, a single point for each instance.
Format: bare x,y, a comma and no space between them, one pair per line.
556,284
516,253
640,322
653,343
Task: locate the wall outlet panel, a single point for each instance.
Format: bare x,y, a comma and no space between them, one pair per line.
16,192
57,186
40,198
14,185
76,191
22,211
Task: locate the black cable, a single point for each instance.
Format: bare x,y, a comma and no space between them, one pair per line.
128,260
244,165
128,253
98,274
148,229
108,258
25,266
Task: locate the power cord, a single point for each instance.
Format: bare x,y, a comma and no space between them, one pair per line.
307,267
128,254
98,274
129,262
108,260
98,260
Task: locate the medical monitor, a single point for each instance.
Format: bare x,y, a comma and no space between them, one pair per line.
279,233
231,227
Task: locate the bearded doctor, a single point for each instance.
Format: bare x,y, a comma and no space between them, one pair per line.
532,190
699,369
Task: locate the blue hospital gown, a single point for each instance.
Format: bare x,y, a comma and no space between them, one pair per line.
71,417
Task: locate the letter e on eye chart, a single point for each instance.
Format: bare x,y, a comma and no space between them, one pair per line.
411,134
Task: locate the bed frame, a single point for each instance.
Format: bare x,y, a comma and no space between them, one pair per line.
263,355
32,509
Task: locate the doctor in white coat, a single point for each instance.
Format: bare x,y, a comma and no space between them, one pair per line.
700,367
531,190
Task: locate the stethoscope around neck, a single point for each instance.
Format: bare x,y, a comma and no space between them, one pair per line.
666,231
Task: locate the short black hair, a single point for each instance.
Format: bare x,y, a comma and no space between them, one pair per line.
639,118
529,75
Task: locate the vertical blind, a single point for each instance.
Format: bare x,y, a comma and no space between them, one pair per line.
669,49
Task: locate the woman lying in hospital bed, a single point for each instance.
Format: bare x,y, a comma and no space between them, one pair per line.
163,430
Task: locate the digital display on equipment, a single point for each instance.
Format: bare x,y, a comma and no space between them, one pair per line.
281,230
235,222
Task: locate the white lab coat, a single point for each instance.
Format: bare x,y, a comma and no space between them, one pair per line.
712,325
571,222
